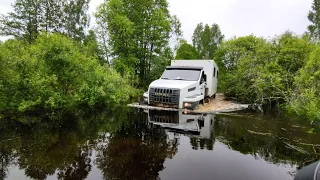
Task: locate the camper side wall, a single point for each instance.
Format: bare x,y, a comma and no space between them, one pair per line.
210,68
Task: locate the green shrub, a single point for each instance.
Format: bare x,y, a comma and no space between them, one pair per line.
55,73
256,70
305,99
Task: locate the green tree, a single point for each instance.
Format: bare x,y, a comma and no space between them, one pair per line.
236,63
256,70
206,40
216,39
186,51
206,43
50,19
101,32
75,18
30,17
138,33
197,37
92,46
23,22
55,73
280,62
314,18
305,99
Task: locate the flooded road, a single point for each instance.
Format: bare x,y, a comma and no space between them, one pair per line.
135,144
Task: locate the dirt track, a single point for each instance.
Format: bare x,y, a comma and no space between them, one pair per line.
215,105
218,104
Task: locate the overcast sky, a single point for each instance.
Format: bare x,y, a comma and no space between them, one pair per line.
265,18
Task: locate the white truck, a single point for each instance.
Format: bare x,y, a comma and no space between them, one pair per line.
184,84
200,125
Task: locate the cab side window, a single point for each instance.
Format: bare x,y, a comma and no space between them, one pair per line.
202,78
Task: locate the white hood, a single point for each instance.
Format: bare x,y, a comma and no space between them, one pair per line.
179,84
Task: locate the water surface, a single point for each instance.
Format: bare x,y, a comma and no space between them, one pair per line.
134,144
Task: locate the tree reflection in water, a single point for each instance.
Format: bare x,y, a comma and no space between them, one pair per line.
202,143
6,159
275,140
78,169
136,151
56,145
129,145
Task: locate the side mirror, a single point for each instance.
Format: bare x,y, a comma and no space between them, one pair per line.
205,78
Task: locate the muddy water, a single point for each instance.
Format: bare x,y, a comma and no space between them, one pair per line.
133,144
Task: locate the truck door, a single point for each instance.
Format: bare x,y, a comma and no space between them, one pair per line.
203,84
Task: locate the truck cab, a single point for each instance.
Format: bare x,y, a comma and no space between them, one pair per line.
184,84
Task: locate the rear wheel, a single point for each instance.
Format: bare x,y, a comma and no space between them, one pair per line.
207,100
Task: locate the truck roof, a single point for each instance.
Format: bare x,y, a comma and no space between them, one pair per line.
185,67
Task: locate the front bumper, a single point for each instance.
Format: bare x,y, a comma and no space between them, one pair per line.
187,103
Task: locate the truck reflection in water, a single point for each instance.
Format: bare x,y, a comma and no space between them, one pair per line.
199,127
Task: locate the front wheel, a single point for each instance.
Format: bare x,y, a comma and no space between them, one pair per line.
201,101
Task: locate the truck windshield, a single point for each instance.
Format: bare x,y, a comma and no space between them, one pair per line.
181,74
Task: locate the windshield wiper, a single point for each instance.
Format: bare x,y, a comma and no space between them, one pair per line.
178,78
164,78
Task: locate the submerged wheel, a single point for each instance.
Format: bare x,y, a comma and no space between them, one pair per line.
201,101
214,96
207,100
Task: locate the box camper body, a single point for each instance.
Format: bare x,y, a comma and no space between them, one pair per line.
184,84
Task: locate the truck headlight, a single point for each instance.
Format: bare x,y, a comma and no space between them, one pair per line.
187,104
145,96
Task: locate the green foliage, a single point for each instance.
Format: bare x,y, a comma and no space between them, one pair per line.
197,37
92,47
75,18
256,70
187,51
274,72
235,62
159,64
30,18
138,33
314,18
206,40
55,73
40,146
305,100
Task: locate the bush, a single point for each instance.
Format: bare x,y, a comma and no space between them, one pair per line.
238,61
256,70
305,99
54,73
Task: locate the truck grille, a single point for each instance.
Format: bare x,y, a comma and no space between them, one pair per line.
164,96
164,116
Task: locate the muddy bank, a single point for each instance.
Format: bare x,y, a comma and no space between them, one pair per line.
214,105
220,104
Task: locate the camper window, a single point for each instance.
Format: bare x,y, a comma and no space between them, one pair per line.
214,72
